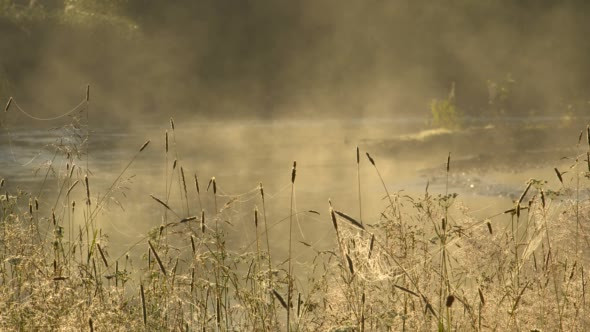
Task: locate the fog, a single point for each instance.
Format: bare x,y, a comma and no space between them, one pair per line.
295,59
254,85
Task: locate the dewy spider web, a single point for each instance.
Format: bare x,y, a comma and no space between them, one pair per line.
82,106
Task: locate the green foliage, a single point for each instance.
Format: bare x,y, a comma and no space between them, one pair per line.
445,113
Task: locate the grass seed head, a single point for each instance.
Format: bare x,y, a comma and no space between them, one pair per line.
294,172
8,105
371,159
144,145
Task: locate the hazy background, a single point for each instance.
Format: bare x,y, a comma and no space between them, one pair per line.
307,58
330,75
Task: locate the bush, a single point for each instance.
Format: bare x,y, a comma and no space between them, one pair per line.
445,113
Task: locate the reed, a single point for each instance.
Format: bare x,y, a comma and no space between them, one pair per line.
290,272
211,280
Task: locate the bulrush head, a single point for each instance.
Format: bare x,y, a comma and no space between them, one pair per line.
144,145
203,221
526,190
371,159
559,174
449,162
8,105
371,245
294,172
166,140
256,217
183,180
334,221
212,182
87,189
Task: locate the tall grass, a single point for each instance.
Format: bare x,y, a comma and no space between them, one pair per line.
423,265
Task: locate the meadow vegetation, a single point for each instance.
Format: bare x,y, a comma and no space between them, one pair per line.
423,265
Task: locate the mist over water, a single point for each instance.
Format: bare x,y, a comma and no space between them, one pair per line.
241,154
256,85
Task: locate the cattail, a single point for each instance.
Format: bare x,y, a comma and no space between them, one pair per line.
256,217
36,204
450,300
334,222
214,185
294,172
91,324
157,258
53,218
174,164
192,281
261,190
161,202
172,123
580,137
183,180
73,206
280,298
371,159
350,219
1,183
143,306
449,162
104,259
371,245
166,141
588,160
525,192
203,221
193,247
350,266
87,189
30,206
588,134
144,145
299,304
358,158
573,270
188,219
559,175
88,93
481,298
8,105
489,227
543,198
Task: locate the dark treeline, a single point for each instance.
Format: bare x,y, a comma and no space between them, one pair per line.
307,58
